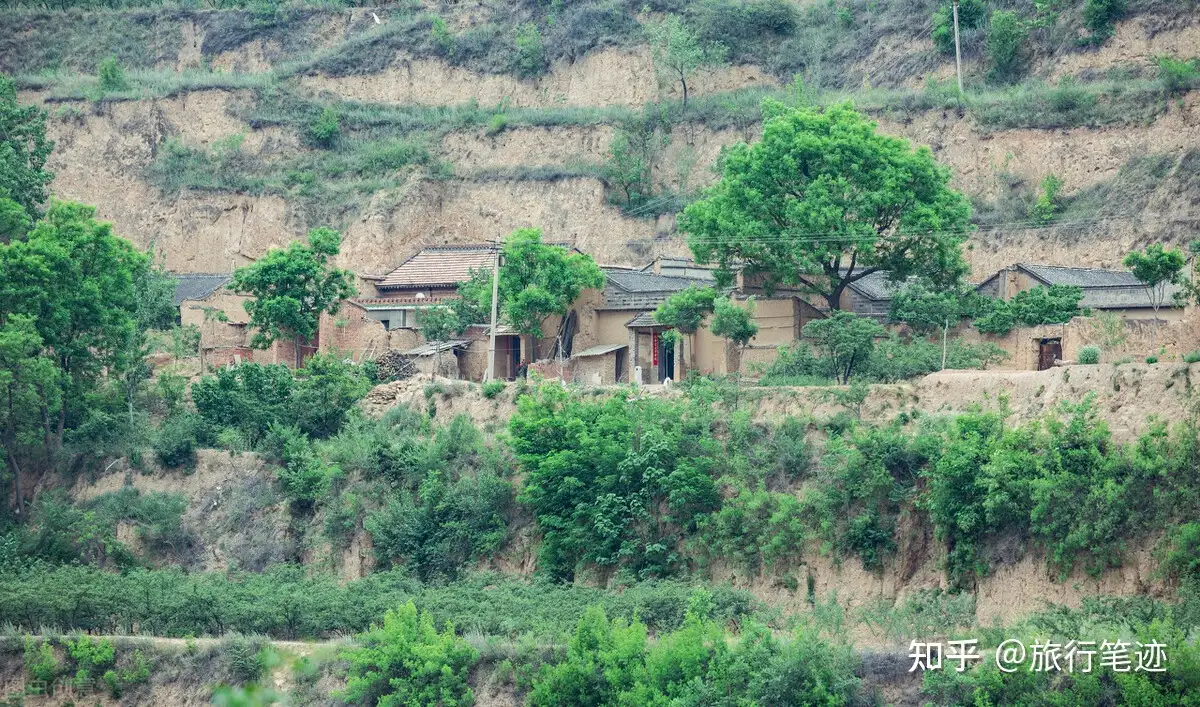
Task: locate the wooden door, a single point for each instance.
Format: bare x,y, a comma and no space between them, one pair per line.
1049,351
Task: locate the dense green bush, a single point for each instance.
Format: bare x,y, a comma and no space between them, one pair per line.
249,397
1100,17
1056,304
613,482
325,391
177,438
325,128
491,389
1089,355
1191,357
1006,37
613,662
407,661
1178,75
111,75
288,602
529,59
894,360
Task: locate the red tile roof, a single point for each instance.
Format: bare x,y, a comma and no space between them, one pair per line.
445,266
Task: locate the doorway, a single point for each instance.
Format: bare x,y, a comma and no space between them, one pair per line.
1049,351
666,360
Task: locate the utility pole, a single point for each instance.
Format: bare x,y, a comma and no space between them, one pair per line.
491,368
957,50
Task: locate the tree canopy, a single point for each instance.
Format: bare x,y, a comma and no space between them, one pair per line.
23,152
823,201
1156,268
537,280
845,340
79,283
292,287
1055,304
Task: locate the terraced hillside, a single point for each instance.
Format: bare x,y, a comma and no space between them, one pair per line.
215,143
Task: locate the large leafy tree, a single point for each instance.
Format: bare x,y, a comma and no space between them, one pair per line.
292,287
823,201
78,281
23,151
537,280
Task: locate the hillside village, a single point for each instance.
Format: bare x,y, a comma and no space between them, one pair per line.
599,352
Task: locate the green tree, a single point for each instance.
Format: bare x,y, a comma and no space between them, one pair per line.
1049,201
529,60
438,325
249,397
1005,41
1157,268
79,282
154,291
734,324
926,310
686,311
291,289
29,394
407,662
537,280
845,341
14,220
23,152
324,392
823,201
678,52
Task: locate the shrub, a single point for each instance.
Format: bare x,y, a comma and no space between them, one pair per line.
135,672
491,389
1191,357
529,59
1182,561
324,130
111,75
496,124
1100,17
176,440
406,661
1152,359
442,37
1089,355
250,397
245,657
325,391
972,14
1049,202
40,663
1177,75
1005,41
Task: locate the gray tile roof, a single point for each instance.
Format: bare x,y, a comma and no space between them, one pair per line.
631,281
644,319
876,286
1081,277
196,286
